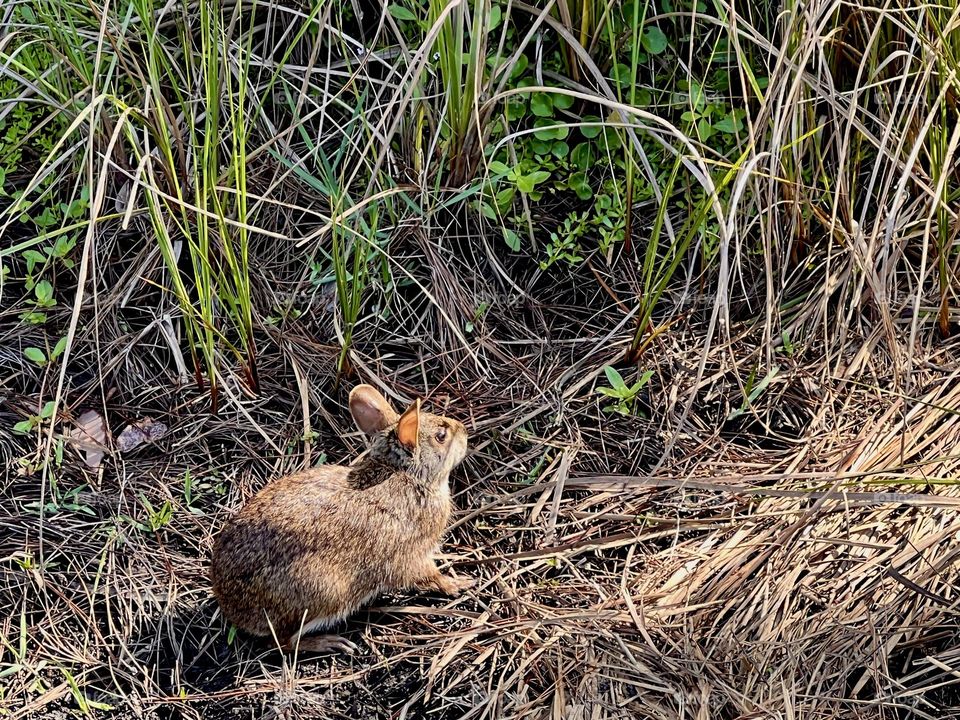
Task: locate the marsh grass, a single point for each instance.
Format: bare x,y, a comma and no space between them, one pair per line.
247,208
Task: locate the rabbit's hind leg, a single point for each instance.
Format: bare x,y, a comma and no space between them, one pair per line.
303,641
318,643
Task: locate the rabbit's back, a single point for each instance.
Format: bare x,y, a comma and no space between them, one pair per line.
255,553
310,546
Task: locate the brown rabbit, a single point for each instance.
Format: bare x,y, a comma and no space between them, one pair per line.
310,548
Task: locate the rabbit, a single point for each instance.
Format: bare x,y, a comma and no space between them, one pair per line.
311,548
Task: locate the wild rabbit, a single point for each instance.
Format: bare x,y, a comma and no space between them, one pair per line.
310,548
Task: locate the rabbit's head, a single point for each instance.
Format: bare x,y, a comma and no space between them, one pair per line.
425,445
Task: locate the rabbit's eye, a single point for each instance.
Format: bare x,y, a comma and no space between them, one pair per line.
441,435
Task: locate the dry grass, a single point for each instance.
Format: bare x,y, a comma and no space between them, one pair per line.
795,560
807,570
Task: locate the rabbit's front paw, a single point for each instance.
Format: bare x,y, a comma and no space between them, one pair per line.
454,584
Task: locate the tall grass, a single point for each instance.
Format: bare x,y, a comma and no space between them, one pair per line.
836,151
201,166
462,51
862,148
839,134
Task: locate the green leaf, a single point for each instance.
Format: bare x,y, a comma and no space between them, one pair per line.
653,40
562,102
63,246
729,125
613,141
75,209
504,198
59,348
581,186
541,104
46,218
754,393
48,409
400,12
499,168
552,131
35,355
582,156
541,147
33,259
34,318
512,239
591,131
787,343
488,212
44,292
705,130
526,183
539,176
622,74
516,108
519,67
614,378
560,149
644,379
610,392
496,17
23,427
697,97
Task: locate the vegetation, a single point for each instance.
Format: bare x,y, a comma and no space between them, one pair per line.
687,270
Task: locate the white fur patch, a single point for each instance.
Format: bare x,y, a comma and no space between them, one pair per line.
325,622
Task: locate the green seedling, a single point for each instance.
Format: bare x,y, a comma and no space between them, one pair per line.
623,395
25,427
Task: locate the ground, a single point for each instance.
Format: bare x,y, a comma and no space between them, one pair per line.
669,563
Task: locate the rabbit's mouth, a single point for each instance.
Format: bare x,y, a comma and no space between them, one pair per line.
459,451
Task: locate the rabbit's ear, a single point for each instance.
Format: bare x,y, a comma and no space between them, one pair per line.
371,410
409,426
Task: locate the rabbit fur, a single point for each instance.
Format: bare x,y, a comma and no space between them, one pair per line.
312,547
